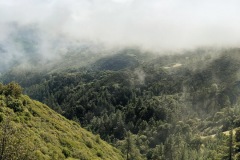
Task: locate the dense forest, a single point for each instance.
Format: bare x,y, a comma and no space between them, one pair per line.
156,107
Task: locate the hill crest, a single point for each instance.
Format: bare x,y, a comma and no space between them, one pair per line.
40,133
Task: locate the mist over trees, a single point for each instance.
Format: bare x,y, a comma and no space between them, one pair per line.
168,113
43,31
158,80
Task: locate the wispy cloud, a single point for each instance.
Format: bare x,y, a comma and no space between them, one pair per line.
151,24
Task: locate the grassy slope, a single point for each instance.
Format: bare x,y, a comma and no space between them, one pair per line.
227,133
52,134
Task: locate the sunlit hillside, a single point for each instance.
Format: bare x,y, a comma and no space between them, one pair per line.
31,130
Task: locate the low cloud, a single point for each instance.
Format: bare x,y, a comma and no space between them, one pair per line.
149,24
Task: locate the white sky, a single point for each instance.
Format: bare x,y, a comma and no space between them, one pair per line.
151,24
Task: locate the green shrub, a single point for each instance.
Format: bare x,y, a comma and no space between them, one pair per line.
1,109
24,102
2,103
2,97
27,116
89,144
15,104
1,118
1,88
45,137
98,139
66,152
13,89
99,154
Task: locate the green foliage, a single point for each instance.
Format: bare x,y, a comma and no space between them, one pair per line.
98,140
66,152
14,142
13,89
15,104
99,154
1,117
89,144
1,88
128,147
168,109
10,96
34,131
237,145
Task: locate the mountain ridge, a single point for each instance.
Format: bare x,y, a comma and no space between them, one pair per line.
49,135
151,104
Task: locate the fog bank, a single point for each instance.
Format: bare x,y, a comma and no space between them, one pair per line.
49,27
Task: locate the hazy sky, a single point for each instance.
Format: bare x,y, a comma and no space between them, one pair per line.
152,24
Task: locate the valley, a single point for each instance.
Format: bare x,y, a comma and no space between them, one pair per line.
131,97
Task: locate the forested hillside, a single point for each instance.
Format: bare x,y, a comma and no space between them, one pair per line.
160,106
30,130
